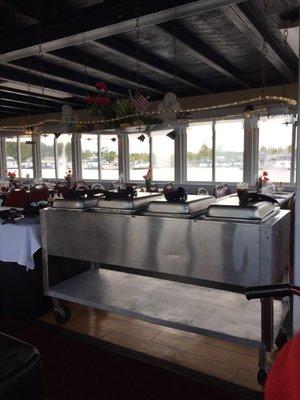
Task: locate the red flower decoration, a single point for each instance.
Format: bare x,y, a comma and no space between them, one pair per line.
102,100
11,174
89,99
101,86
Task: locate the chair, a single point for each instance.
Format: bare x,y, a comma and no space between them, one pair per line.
61,188
96,186
39,192
20,370
221,191
16,198
80,185
202,191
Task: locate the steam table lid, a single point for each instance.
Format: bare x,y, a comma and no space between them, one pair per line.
230,208
141,201
193,204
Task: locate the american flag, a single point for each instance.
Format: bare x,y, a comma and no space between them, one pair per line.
141,103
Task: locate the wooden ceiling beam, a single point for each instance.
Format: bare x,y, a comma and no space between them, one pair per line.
11,106
148,60
95,65
98,22
251,24
51,100
29,100
11,74
202,52
60,73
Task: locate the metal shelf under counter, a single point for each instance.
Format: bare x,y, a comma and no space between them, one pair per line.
197,309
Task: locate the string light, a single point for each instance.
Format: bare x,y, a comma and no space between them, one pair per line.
281,99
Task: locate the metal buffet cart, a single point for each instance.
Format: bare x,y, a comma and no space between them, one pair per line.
180,264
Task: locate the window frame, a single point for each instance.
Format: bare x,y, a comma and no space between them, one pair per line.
79,159
3,156
55,154
292,181
180,155
176,156
213,181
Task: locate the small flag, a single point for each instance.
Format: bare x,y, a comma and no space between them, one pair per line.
141,103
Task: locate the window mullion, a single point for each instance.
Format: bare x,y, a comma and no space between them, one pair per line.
150,152
55,158
214,151
180,157
123,158
99,157
19,156
292,176
36,156
3,164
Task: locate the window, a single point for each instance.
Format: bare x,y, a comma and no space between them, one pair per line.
275,148
12,159
47,156
229,147
56,156
19,156
25,157
199,152
139,157
89,157
163,154
109,160
99,157
228,152
163,149
64,155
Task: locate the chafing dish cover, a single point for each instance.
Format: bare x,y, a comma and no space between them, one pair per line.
137,203
76,203
230,208
192,206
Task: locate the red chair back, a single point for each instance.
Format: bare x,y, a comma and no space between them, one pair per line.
39,192
16,198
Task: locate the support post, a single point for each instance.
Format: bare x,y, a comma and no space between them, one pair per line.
296,318
251,134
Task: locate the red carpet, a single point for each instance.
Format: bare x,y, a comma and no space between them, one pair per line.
75,370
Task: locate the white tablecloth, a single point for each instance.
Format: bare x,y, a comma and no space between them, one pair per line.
19,242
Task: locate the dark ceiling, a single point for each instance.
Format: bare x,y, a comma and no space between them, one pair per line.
195,49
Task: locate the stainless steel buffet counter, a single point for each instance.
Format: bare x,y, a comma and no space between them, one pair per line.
218,247
218,250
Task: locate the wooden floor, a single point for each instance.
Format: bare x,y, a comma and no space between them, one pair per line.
227,361
230,362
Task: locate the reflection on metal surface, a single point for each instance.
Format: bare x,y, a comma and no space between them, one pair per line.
225,252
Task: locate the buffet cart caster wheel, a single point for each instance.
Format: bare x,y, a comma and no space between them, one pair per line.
281,340
63,315
262,377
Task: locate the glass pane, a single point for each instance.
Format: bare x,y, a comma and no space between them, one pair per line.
275,148
162,157
229,151
26,157
11,149
138,157
89,156
199,152
64,155
47,156
109,157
